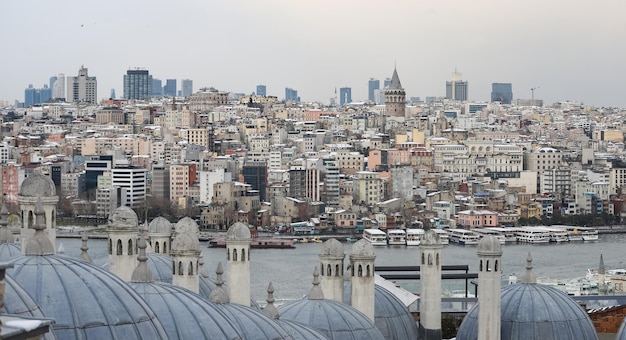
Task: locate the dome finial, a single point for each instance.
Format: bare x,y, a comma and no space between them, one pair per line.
39,244
83,249
142,273
219,295
601,268
270,309
529,276
316,292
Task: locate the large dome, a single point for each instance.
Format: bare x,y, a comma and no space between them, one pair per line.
17,302
185,315
10,250
253,323
299,331
69,289
38,185
534,311
391,316
334,319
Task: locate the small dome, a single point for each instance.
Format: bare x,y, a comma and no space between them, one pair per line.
38,185
186,237
332,248
68,283
534,311
489,245
430,238
160,225
185,315
238,231
161,267
123,218
362,248
391,316
334,319
9,250
253,323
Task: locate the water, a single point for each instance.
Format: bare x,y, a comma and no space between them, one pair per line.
291,270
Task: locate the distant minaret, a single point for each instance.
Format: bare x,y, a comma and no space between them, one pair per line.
395,97
331,259
529,276
123,230
185,255
602,286
489,286
238,241
362,276
430,279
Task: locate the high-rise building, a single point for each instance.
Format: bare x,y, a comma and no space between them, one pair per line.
345,96
58,87
456,89
137,84
83,88
112,94
157,87
291,95
386,83
395,102
170,88
372,86
33,96
261,90
255,174
187,86
502,92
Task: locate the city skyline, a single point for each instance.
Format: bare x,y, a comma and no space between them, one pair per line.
568,51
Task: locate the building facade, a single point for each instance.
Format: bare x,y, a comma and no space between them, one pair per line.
137,84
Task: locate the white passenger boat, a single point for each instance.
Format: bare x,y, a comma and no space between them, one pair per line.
443,236
463,236
482,232
575,233
588,233
396,237
532,235
507,233
376,237
414,237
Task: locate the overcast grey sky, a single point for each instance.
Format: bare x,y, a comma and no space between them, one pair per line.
570,49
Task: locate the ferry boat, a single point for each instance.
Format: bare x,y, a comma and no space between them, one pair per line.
588,233
376,237
532,235
463,236
482,232
557,235
443,236
414,237
396,237
507,233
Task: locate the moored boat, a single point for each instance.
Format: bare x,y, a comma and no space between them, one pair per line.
396,237
463,236
376,237
414,236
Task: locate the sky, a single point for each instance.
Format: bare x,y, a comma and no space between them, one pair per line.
566,49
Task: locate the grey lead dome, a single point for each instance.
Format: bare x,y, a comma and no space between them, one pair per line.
38,185
238,231
160,225
430,238
362,248
534,311
123,218
332,248
489,245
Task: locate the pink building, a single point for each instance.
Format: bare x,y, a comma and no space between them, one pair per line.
477,219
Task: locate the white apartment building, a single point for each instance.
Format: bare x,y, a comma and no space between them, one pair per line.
132,183
367,188
208,179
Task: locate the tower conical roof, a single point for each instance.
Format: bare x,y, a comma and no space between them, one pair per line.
395,80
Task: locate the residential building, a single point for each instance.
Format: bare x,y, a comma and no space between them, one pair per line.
182,176
108,115
208,179
255,174
477,219
133,184
291,95
367,188
82,88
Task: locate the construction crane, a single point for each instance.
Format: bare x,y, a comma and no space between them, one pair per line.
532,92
